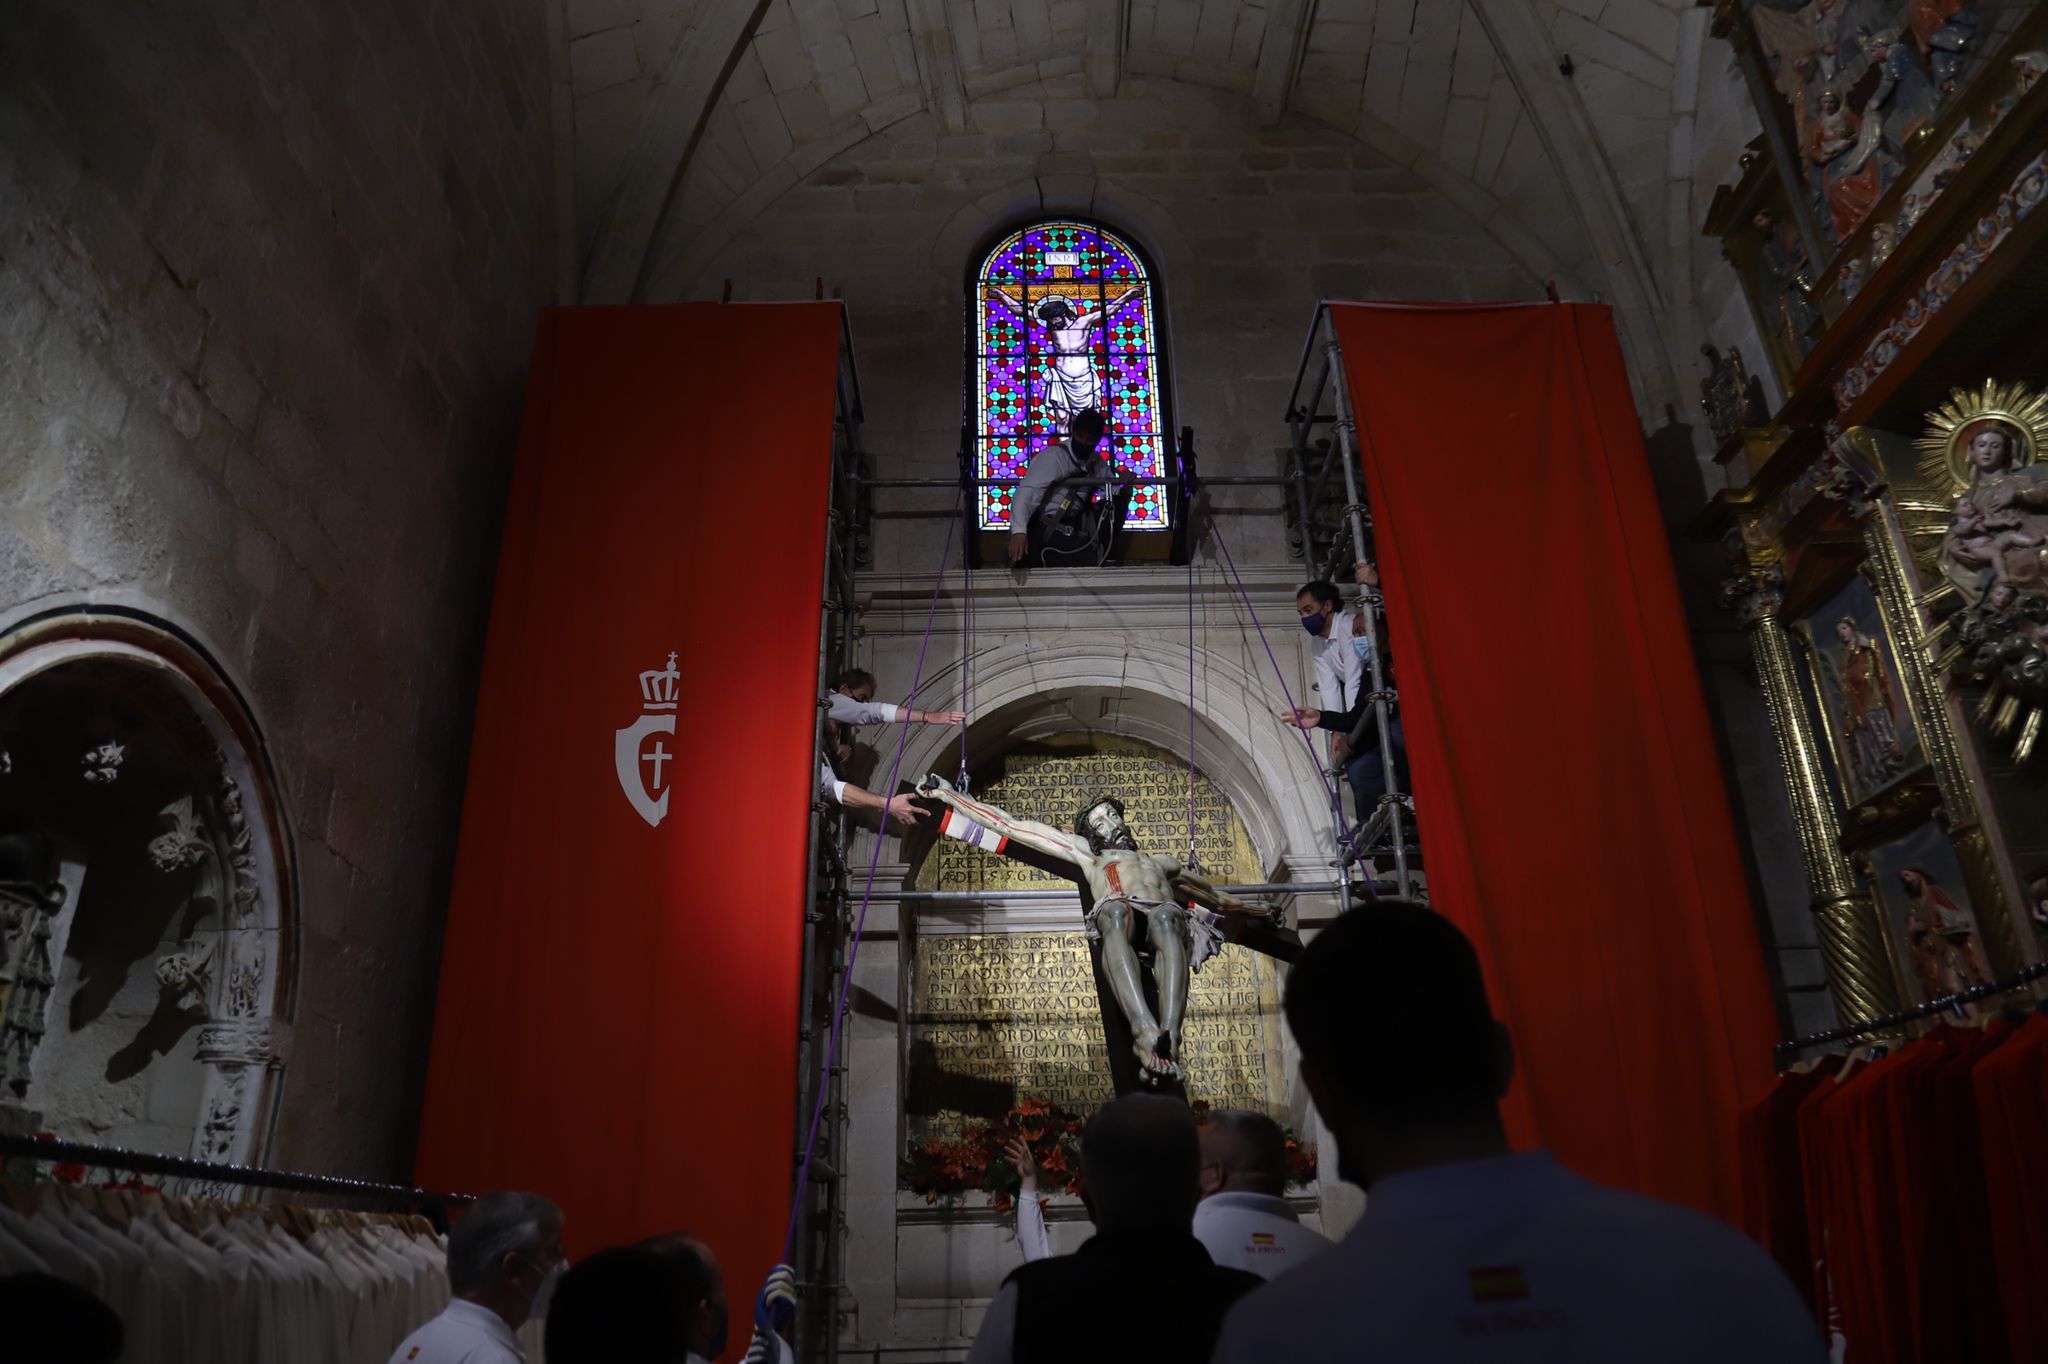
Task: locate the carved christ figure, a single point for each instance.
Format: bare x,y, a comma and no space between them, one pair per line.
1180,914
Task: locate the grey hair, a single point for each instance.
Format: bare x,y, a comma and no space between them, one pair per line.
495,1226
1256,1144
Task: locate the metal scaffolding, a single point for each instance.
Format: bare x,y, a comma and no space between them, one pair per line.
1327,537
1330,545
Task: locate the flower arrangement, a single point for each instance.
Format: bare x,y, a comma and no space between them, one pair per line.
977,1162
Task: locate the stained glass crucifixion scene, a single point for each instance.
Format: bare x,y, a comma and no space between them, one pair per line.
1065,319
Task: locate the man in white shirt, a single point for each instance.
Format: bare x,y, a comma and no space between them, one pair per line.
1243,1218
851,701
1468,1251
1072,458
504,1259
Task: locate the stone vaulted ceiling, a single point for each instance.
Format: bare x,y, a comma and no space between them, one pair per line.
692,116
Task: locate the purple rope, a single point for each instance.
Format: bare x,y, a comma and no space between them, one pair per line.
1191,700
1336,801
966,642
803,1178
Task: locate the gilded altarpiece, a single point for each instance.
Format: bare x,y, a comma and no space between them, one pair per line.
1885,522
1009,1010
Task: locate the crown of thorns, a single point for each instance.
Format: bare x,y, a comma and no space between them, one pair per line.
1081,815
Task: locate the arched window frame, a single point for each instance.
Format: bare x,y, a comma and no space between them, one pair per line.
1140,436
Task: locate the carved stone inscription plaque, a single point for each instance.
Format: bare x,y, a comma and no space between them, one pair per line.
999,1016
1048,779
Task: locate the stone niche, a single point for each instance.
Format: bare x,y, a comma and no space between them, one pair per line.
1001,1003
145,894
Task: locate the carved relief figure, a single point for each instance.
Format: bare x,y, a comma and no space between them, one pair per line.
1843,148
30,896
1787,276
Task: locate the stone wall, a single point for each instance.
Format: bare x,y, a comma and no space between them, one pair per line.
268,277
1247,225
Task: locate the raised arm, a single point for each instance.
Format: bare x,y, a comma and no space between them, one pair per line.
1029,832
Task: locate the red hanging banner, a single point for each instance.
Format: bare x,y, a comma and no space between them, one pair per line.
1568,790
616,1024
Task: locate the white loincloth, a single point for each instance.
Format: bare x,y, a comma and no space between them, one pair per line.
1201,933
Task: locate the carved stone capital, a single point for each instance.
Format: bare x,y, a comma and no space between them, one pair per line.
235,1042
1754,593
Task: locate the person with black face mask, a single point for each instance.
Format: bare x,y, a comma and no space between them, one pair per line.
504,1261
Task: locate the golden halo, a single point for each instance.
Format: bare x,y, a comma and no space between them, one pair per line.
2022,411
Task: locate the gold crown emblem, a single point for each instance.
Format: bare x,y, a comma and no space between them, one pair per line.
658,690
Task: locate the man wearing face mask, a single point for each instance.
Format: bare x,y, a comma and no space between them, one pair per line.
1345,643
504,1260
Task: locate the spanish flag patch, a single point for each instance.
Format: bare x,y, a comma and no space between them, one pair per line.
1499,1283
1262,1238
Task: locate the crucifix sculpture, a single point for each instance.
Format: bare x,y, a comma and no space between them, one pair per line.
1136,898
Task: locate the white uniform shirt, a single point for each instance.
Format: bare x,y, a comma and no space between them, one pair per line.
848,711
464,1334
1031,1234
1340,672
1516,1258
1255,1232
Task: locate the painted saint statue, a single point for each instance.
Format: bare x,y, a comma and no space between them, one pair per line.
1137,896
1871,726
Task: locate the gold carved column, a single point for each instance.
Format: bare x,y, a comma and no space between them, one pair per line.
1851,935
1882,539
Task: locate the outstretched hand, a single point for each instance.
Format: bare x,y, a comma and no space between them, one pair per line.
776,1303
906,808
1019,1152
945,717
1301,717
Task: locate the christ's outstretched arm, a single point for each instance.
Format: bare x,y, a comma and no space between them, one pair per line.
1108,309
1029,832
1014,305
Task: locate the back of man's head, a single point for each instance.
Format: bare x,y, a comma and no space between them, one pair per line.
1088,424
1389,1008
496,1226
1243,1152
626,1303
1141,1164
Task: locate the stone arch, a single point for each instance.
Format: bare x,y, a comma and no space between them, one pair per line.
212,897
1017,687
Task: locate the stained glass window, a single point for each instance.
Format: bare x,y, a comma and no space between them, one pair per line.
1065,319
